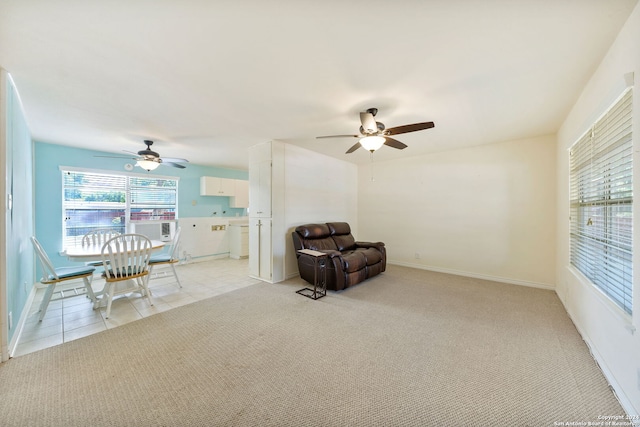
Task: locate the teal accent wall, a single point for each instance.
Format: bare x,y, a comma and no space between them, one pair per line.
19,219
48,189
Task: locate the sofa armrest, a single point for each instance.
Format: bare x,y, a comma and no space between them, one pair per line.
331,253
377,245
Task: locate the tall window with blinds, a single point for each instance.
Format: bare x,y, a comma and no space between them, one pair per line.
602,201
97,200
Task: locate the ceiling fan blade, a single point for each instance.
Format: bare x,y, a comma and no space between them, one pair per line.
368,122
131,152
339,136
394,143
173,160
175,165
409,128
354,148
118,157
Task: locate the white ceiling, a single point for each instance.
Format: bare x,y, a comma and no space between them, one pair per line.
208,79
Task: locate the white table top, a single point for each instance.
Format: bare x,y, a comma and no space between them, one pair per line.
94,252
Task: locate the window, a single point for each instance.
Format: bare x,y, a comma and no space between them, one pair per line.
98,200
601,203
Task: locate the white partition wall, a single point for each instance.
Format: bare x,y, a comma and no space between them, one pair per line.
307,187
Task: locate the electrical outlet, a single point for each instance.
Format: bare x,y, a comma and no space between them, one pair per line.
417,255
10,320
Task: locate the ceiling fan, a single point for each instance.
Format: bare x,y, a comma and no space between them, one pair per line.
374,134
149,160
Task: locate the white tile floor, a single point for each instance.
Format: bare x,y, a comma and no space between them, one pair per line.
73,318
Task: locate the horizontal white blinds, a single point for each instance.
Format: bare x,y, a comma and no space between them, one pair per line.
601,203
150,193
98,200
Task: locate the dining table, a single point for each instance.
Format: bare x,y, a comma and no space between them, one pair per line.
90,253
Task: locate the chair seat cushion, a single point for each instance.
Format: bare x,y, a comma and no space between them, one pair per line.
66,272
160,258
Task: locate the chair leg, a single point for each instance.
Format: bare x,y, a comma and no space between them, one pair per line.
109,292
48,293
143,282
87,285
175,273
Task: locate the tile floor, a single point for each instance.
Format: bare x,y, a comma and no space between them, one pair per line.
74,317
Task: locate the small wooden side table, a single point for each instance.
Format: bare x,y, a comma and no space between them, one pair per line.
319,275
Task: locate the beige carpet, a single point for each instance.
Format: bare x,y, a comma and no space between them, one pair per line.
407,348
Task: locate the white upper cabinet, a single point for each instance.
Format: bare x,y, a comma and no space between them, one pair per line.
241,194
214,186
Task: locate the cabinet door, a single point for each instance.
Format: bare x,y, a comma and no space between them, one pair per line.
209,186
214,186
227,187
260,248
241,196
260,189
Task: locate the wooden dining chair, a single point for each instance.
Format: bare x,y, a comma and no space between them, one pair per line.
125,258
97,237
170,258
53,276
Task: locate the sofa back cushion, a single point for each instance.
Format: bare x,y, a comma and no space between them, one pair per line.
341,234
316,237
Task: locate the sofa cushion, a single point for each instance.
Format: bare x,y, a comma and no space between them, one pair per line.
341,233
345,242
313,231
371,255
316,237
339,228
353,261
320,244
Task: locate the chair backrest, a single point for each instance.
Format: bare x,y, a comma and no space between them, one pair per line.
126,255
98,236
175,244
48,270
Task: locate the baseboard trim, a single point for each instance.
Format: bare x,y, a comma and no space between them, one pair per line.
475,275
23,318
618,391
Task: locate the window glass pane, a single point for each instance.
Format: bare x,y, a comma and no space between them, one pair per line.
601,204
93,200
153,199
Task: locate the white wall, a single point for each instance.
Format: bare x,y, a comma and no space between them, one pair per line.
608,331
486,211
317,189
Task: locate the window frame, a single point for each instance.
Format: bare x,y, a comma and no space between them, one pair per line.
601,196
128,190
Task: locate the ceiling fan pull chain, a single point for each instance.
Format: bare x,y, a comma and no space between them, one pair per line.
371,166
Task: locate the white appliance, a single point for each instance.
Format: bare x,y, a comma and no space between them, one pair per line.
155,230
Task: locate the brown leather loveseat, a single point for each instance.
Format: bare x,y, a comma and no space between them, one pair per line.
349,263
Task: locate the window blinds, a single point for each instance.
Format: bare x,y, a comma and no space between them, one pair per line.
98,200
91,201
153,198
602,201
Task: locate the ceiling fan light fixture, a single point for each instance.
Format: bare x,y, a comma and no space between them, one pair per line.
147,165
372,143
